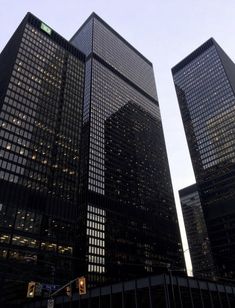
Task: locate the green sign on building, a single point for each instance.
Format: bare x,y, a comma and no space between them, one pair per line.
46,28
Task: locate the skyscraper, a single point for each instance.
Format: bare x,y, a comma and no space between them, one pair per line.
205,86
197,235
127,205
85,182
41,95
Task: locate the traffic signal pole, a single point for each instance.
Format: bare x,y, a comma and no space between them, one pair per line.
63,287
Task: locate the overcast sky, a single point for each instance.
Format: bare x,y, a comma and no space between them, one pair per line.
164,31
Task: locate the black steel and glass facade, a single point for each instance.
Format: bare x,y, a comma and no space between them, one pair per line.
85,183
197,235
205,87
41,96
127,207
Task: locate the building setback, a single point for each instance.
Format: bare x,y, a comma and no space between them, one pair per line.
205,86
198,241
41,95
127,205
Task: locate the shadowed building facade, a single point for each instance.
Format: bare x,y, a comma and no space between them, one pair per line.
127,204
205,86
197,235
41,95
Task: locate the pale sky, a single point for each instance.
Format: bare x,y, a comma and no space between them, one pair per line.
164,31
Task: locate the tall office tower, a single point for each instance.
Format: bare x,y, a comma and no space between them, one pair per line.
205,86
197,235
41,95
128,218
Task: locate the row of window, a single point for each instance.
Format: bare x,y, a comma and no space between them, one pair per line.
33,243
32,123
124,59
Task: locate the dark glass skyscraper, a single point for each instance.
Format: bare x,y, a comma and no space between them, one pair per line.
41,95
197,235
127,205
85,183
205,86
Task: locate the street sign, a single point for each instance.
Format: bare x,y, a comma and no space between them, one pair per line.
50,303
50,287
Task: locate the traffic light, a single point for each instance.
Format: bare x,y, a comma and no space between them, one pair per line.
68,290
38,289
31,289
81,285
